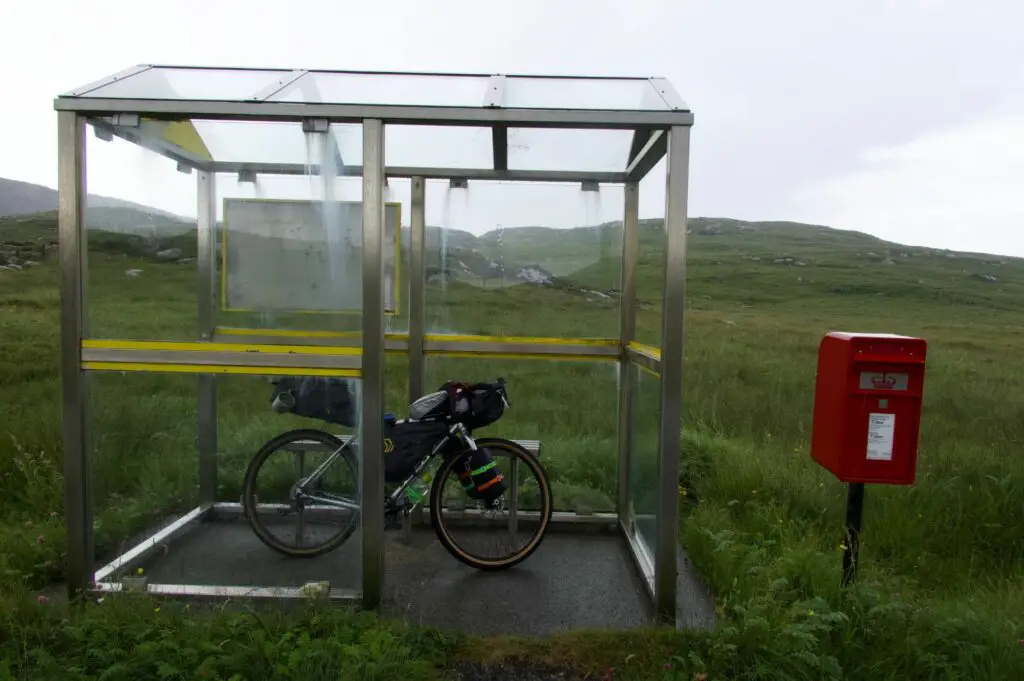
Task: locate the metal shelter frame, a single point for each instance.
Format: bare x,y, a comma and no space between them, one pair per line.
659,130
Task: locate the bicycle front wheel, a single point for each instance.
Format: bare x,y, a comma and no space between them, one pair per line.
499,534
302,520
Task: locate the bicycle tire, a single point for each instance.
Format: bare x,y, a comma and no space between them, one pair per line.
437,520
248,491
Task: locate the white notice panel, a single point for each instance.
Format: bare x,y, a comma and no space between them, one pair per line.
881,428
301,256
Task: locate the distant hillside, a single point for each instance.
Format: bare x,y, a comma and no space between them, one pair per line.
22,198
736,262
730,263
27,240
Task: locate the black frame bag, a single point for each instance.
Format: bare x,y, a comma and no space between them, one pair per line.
406,443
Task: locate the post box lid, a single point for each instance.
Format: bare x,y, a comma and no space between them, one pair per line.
883,347
853,335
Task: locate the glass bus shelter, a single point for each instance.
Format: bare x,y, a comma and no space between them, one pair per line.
165,364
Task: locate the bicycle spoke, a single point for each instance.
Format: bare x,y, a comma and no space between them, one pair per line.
506,530
299,526
513,483
300,461
315,475
279,480
334,502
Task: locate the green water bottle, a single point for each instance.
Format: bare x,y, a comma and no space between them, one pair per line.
418,489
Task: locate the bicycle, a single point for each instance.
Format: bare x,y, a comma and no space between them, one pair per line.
436,442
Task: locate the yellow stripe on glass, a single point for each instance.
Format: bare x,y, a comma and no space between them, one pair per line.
184,135
219,369
283,333
652,372
522,355
643,349
530,340
184,346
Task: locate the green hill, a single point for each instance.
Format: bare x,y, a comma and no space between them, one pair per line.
21,198
730,263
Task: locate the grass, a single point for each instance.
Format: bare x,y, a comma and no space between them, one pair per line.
939,595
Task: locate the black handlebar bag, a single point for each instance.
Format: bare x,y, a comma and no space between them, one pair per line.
477,405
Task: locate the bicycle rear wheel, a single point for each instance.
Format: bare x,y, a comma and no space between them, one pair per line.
518,519
301,523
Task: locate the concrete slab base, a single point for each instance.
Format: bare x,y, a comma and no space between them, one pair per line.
573,581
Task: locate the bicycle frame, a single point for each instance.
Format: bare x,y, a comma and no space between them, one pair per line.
457,430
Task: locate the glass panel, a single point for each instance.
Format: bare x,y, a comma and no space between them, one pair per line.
644,481
570,407
386,89
290,249
523,259
144,462
143,428
185,83
396,383
437,146
650,273
567,149
581,93
398,195
275,142
141,269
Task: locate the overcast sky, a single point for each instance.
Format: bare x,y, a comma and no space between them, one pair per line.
900,118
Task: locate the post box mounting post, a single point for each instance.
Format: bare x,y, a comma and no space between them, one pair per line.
854,515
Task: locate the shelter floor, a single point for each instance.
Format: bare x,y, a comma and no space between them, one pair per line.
574,580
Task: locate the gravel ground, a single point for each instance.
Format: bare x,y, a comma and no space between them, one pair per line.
513,671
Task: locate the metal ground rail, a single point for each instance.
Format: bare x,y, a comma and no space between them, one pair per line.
578,520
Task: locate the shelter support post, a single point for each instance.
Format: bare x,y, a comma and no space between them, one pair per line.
627,331
671,384
417,289
206,298
72,254
371,446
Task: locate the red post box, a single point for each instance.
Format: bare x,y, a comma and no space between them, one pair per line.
867,406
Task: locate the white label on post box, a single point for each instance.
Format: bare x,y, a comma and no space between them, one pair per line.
881,428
